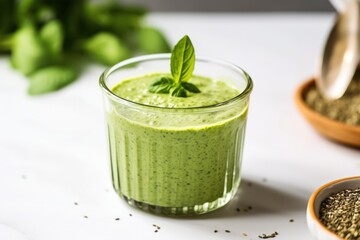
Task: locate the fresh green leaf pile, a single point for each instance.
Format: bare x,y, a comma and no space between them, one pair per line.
182,66
47,39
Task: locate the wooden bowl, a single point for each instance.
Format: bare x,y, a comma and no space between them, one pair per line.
334,130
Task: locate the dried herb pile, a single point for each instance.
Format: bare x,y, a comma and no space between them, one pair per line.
47,39
346,109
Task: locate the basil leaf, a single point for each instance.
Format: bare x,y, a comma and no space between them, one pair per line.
106,48
50,79
53,36
190,87
182,60
28,51
163,88
178,91
150,40
182,65
163,85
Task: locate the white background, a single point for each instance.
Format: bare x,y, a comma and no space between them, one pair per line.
53,149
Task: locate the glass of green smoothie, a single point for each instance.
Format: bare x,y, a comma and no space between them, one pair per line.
174,155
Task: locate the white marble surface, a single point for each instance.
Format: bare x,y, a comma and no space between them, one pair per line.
53,149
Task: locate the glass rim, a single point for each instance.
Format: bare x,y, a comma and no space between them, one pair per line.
167,56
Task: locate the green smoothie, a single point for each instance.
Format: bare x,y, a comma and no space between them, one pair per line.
179,155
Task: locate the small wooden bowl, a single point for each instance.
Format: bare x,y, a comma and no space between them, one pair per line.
317,229
338,131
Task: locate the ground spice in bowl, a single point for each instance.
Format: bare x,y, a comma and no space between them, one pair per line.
346,109
340,213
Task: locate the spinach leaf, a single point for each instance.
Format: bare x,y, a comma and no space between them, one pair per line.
50,79
151,40
53,36
28,51
106,48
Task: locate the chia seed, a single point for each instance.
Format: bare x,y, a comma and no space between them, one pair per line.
340,213
266,236
157,227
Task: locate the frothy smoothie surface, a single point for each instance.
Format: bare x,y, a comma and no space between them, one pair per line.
212,92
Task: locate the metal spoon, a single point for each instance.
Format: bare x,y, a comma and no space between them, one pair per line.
341,53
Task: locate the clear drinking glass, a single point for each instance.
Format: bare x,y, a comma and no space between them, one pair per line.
176,161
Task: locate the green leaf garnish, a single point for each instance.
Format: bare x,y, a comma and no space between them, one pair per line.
178,91
163,85
182,65
182,60
190,87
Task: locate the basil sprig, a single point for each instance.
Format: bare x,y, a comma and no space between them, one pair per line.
182,66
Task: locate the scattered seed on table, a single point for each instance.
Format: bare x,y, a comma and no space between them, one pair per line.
156,226
244,234
117,219
228,231
215,231
291,220
266,236
75,203
85,216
